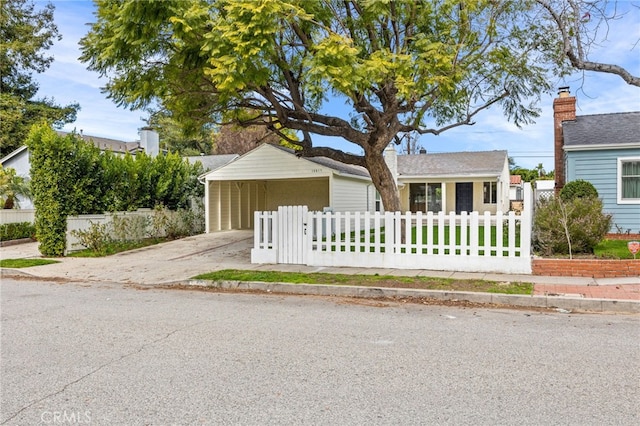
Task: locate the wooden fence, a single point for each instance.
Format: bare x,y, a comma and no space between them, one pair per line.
84,222
468,242
17,216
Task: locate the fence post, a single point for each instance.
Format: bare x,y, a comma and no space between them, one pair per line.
527,221
389,232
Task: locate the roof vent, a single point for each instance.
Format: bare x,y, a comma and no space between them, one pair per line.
423,151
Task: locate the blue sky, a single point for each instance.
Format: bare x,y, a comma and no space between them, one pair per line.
68,80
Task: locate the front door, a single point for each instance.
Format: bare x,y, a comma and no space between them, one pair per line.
464,197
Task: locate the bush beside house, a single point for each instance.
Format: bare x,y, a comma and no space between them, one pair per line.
72,177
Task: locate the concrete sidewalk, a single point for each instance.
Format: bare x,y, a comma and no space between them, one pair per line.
178,261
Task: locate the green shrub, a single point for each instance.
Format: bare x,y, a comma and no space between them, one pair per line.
130,227
578,189
176,224
96,238
15,231
72,177
575,226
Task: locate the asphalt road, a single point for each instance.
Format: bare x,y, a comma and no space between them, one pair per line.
112,355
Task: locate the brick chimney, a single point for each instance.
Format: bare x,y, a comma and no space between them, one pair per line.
564,109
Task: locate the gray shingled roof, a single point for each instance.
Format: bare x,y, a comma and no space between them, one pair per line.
478,163
107,144
603,129
212,162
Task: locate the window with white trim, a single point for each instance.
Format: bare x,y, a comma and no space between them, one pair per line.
490,192
629,180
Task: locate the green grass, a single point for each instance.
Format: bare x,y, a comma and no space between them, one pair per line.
426,283
434,231
613,249
117,247
25,263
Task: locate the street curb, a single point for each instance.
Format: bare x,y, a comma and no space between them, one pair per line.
549,302
14,272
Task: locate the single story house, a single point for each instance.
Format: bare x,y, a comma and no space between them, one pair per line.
452,181
603,149
270,176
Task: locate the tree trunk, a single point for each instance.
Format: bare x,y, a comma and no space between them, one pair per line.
9,202
383,180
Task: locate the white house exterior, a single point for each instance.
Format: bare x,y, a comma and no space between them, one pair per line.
452,181
19,161
271,176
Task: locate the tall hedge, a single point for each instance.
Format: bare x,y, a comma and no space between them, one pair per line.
52,184
70,177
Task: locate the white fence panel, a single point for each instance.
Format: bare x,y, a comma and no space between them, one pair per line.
17,216
291,247
265,234
468,242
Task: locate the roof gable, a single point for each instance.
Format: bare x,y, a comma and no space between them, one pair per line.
12,155
275,162
452,164
603,130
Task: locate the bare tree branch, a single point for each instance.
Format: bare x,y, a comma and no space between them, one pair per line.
576,54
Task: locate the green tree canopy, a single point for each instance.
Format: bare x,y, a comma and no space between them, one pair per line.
25,35
405,66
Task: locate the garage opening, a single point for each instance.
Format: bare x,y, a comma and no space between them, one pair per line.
231,204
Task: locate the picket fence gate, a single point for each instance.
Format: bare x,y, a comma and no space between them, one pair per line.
466,242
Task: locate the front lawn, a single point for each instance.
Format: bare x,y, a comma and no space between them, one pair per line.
613,249
25,263
437,239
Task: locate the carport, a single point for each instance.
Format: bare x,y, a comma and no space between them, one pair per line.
271,176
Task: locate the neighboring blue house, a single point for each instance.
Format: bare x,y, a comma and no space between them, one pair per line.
603,149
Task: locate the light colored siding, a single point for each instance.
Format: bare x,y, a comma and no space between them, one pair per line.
267,162
601,169
478,198
450,197
225,205
350,195
21,163
313,193
213,210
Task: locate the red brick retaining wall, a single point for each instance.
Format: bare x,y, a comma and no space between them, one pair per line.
595,268
629,237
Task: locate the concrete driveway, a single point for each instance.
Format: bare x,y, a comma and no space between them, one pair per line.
163,263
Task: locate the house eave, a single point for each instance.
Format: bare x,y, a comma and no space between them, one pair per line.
601,147
450,177
351,176
13,154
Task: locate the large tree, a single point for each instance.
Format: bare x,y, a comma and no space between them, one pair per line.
404,66
25,36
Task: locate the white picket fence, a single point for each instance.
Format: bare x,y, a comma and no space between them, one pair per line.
17,216
468,242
